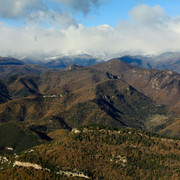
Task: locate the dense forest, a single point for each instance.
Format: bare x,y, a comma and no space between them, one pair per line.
98,152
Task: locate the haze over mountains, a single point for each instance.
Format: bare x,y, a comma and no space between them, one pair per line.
166,60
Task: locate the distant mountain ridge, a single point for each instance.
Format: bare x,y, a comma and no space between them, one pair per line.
139,61
166,61
63,61
10,61
12,66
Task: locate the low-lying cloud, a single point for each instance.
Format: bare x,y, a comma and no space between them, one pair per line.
153,33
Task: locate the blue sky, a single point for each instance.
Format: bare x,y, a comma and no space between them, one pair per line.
116,10
99,27
110,12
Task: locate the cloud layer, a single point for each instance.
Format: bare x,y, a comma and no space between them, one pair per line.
150,31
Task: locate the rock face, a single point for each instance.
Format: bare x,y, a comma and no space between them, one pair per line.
38,167
26,164
73,67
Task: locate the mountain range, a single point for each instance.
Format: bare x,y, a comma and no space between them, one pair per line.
46,110
113,93
165,61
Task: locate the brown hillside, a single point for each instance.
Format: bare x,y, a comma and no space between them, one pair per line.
54,82
77,97
161,86
72,98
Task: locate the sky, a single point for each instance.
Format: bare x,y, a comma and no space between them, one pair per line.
98,27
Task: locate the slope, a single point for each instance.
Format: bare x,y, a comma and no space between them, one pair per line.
161,86
71,98
4,94
98,153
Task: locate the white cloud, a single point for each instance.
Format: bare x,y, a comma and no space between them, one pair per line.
148,15
175,24
139,34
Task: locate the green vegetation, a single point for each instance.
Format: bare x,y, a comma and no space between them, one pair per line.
16,137
101,152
